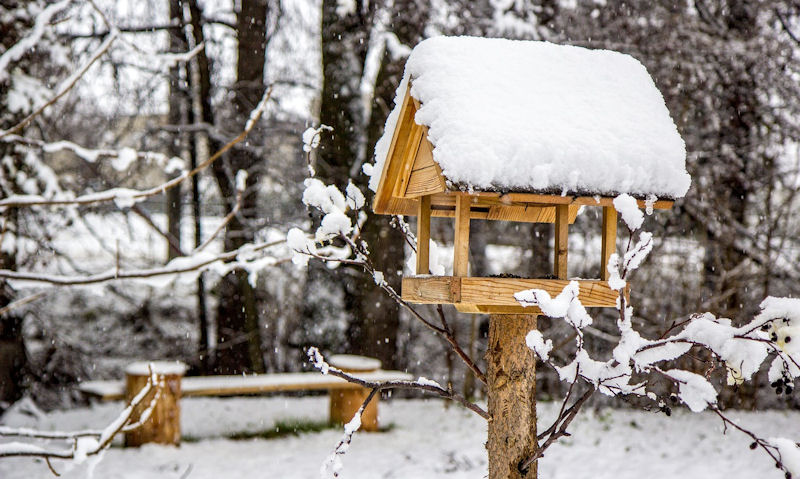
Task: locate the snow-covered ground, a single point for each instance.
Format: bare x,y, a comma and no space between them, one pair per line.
426,440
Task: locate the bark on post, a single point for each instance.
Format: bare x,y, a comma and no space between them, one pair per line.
511,378
164,424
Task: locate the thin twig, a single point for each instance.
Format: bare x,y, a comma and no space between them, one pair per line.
21,302
70,82
110,195
225,221
319,362
135,274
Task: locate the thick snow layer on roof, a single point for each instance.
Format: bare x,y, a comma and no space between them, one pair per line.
535,116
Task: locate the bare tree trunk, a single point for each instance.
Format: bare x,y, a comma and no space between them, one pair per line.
511,377
237,314
175,116
200,86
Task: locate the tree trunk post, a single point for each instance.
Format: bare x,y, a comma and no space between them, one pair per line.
511,378
164,424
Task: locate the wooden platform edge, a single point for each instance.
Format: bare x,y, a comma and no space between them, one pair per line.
488,295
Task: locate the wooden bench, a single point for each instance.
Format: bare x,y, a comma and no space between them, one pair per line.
164,424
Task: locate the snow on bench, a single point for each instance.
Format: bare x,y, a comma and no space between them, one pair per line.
236,385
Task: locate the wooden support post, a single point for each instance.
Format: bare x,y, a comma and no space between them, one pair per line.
560,243
424,235
344,403
511,378
164,424
461,243
609,239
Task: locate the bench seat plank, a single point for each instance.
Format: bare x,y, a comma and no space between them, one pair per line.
251,384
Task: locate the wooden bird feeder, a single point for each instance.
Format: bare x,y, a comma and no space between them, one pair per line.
412,181
530,132
412,184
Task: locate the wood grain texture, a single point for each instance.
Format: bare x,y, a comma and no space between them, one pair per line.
426,177
424,235
609,239
561,243
480,294
461,242
382,203
164,424
244,385
406,157
511,383
344,404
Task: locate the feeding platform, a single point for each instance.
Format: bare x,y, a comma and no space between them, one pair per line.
490,129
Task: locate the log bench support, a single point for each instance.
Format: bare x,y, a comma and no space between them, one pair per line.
164,424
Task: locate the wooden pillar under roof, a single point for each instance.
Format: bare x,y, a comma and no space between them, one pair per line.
461,243
560,244
423,235
609,236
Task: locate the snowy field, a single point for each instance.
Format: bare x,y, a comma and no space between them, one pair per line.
425,440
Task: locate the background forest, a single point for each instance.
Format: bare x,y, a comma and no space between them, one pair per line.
145,111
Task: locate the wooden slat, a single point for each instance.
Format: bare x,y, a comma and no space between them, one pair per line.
254,384
406,157
461,243
426,177
426,181
493,309
609,239
536,198
560,244
382,203
490,295
423,235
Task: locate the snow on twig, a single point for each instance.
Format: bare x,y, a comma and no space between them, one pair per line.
29,42
742,350
66,85
84,443
184,264
127,197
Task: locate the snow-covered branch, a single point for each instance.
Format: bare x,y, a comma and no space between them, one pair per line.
124,197
422,384
336,241
66,85
83,443
333,464
197,262
636,361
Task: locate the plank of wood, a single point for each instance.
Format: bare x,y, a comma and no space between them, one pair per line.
561,243
407,157
495,309
426,176
461,243
609,239
424,235
536,198
382,203
480,293
426,181
253,384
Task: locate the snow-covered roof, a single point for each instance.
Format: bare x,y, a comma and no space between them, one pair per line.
505,115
